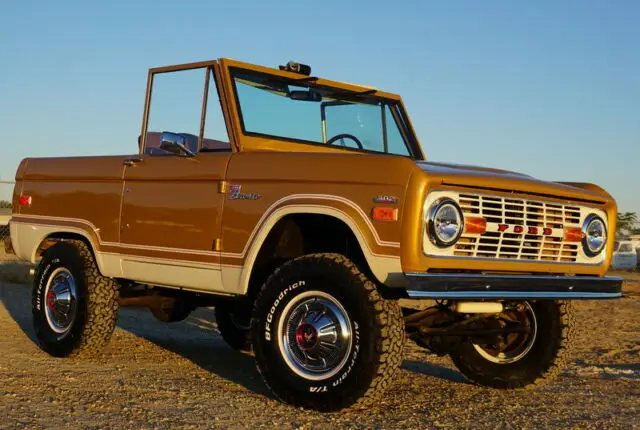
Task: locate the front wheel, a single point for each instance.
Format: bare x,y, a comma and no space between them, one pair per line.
323,336
518,360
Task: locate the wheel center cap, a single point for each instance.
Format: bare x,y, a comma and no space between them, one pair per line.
306,336
51,299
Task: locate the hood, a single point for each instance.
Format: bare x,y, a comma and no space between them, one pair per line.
504,180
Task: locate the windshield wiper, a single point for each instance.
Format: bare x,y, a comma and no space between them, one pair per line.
306,79
342,93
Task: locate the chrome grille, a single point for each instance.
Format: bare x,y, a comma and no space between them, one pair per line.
512,211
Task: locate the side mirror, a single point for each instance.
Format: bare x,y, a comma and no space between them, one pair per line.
175,143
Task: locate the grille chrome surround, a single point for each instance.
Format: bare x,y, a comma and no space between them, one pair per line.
503,210
508,245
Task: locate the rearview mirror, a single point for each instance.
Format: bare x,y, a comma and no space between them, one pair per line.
307,96
176,143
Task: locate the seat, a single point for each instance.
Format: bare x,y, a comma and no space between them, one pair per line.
152,146
213,145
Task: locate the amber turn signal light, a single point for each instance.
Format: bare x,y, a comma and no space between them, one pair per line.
384,214
572,234
476,225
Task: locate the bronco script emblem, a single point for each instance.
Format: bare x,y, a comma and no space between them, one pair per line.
236,194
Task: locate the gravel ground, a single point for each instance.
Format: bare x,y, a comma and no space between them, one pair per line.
155,375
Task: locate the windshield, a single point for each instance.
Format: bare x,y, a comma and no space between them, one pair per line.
300,111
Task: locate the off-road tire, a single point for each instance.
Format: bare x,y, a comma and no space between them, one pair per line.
377,332
549,355
97,302
230,329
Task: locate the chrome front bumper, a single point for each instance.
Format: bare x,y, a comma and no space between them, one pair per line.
522,287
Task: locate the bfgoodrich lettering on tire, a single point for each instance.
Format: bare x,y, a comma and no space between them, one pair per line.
74,307
322,335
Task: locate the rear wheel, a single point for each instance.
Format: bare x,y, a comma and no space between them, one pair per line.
323,336
517,360
74,307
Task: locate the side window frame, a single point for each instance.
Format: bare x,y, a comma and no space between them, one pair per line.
210,68
214,71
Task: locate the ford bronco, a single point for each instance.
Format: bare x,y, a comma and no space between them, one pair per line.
304,210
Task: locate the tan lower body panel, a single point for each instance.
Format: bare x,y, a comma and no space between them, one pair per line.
188,271
26,239
157,272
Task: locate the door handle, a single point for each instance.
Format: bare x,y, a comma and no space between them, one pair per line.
132,161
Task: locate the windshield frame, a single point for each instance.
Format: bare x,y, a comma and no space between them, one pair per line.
360,95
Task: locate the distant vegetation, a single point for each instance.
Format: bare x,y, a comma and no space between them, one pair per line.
627,224
5,204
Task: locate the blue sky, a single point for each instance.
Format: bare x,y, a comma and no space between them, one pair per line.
549,88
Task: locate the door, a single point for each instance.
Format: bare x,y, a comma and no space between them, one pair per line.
172,205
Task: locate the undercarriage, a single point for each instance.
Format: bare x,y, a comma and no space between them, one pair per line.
499,328
495,326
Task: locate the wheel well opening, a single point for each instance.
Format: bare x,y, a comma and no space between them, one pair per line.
54,238
300,234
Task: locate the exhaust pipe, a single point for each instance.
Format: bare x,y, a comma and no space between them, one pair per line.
478,307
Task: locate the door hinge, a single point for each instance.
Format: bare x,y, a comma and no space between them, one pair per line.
217,244
223,188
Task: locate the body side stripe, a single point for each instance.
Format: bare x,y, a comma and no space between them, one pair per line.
274,207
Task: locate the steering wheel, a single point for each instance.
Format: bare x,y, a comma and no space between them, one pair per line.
345,135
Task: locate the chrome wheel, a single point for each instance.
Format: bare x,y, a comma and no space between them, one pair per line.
61,300
513,347
315,335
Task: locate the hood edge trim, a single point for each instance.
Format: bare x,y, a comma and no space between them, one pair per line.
575,199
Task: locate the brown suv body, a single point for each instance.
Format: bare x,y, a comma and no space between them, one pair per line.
305,246
175,211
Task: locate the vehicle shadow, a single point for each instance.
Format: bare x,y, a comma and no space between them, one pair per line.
434,370
198,340
16,299
195,339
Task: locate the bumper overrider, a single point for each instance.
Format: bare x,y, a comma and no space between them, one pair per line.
522,287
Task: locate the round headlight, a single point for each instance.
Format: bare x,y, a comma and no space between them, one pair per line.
594,235
445,223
